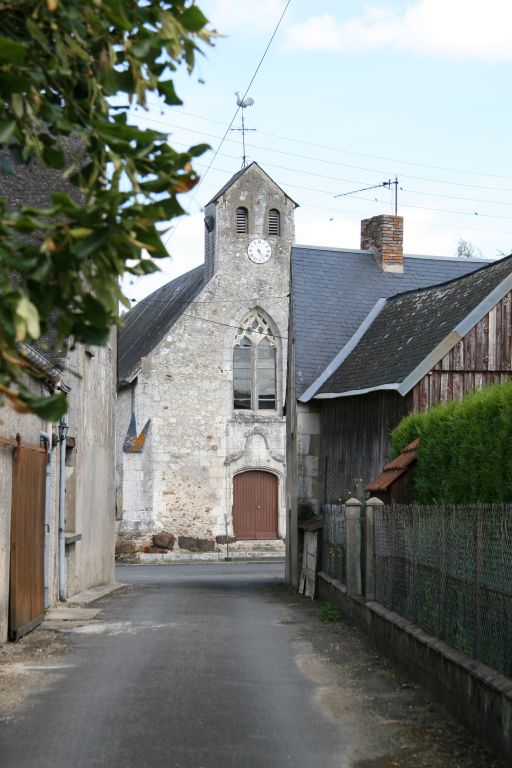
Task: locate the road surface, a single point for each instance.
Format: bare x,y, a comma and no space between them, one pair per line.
219,666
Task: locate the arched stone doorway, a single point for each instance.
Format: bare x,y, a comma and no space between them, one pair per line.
255,505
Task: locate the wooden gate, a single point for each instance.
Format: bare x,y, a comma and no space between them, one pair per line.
26,584
255,505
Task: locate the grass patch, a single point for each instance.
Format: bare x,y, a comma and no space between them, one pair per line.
330,613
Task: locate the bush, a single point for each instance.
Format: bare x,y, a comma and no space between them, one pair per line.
465,450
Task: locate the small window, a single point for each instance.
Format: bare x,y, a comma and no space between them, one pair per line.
242,221
274,222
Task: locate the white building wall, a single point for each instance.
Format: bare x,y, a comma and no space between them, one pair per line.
90,476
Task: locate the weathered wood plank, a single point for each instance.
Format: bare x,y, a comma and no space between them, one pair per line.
482,344
500,355
491,356
458,385
458,356
470,350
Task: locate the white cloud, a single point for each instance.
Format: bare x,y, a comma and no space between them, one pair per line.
451,28
229,15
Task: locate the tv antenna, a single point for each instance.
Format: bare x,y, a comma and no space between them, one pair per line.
388,184
243,103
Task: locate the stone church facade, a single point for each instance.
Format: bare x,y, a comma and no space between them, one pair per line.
202,378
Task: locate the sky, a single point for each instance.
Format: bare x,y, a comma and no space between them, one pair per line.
349,95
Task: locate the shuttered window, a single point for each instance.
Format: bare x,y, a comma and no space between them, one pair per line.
274,222
242,220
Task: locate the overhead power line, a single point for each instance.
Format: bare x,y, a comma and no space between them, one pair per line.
332,162
341,150
237,110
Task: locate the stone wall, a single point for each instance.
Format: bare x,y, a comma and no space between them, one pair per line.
182,481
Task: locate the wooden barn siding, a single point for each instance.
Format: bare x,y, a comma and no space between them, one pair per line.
355,441
481,358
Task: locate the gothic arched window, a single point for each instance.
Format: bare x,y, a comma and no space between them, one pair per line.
254,365
242,220
274,222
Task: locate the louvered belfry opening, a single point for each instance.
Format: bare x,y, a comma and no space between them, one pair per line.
242,220
274,222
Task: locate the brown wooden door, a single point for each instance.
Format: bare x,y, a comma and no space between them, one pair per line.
255,505
26,585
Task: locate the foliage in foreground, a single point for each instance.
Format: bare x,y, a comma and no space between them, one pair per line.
69,71
465,451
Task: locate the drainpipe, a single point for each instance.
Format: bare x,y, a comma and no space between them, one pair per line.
46,438
63,428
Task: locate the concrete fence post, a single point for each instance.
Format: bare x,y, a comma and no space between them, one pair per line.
353,522
372,505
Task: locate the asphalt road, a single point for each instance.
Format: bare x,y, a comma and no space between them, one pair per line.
192,668
218,666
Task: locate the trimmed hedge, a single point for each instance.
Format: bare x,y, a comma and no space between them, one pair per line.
465,450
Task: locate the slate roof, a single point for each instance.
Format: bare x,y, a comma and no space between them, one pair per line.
399,341
147,323
333,291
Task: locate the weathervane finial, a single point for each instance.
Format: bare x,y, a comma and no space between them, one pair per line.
243,103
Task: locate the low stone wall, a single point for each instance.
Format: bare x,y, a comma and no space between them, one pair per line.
478,695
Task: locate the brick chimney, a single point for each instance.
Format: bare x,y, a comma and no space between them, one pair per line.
384,235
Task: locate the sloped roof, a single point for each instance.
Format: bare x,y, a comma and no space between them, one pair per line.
394,469
240,173
147,323
415,329
227,185
333,291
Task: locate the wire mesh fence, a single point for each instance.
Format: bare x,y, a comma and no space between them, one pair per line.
334,541
449,569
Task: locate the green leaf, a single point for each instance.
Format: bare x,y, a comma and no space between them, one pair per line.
193,19
12,51
7,131
17,105
90,245
53,157
27,320
78,232
48,408
166,89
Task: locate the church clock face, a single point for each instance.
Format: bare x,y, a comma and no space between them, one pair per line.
259,251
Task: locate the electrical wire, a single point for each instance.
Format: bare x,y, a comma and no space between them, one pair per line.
331,162
172,232
229,325
346,151
240,300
